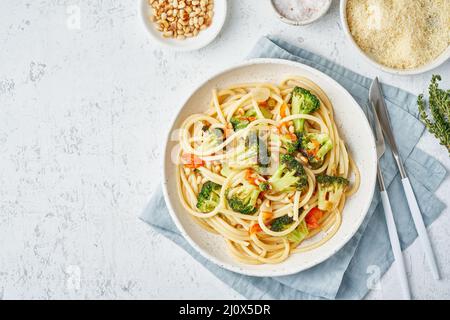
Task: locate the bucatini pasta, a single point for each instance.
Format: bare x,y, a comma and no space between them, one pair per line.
265,168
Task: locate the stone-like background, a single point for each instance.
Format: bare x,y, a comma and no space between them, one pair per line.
83,113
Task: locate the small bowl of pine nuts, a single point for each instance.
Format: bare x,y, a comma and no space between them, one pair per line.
184,25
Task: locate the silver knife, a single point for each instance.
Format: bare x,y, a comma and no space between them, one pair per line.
392,229
376,97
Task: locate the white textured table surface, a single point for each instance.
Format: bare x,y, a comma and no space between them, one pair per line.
82,116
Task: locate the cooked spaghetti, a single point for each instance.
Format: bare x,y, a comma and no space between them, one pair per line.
265,168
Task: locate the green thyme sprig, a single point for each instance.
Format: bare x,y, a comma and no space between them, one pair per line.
439,102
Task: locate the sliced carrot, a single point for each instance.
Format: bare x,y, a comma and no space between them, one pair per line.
292,136
249,177
281,126
191,161
267,216
283,110
251,118
255,228
316,146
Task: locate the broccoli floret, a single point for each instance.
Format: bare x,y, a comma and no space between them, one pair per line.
243,198
303,102
264,186
299,234
290,142
209,196
281,223
289,176
331,189
239,123
315,146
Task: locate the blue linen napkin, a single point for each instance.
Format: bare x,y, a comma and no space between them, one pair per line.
345,274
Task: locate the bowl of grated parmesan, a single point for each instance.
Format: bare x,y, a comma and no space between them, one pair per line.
401,36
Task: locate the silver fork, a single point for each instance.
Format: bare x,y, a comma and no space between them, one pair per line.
392,229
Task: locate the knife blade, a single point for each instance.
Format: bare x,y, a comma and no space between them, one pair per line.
376,97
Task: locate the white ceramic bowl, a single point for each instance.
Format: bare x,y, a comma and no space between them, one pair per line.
352,125
201,40
427,67
302,22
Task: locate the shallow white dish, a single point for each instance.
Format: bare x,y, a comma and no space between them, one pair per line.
204,37
285,19
427,67
353,126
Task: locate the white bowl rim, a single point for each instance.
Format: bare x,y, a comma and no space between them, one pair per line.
143,4
442,58
301,22
242,270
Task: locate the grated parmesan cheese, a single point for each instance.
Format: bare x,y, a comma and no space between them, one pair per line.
400,34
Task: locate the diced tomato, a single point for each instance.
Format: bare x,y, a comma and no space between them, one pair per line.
263,103
191,161
255,228
313,217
